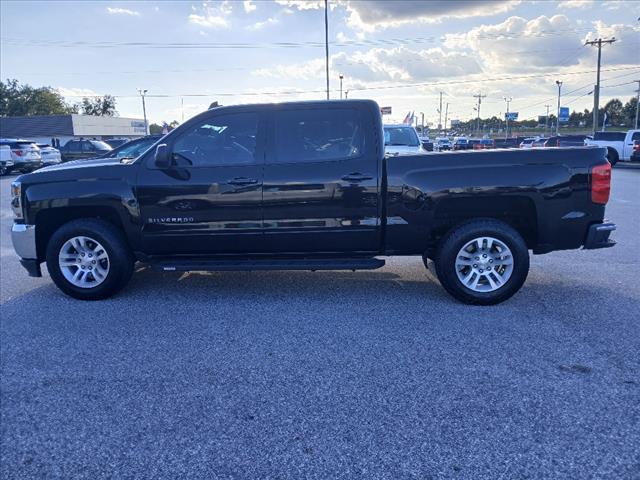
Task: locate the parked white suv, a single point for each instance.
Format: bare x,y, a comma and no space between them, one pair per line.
6,162
24,153
49,155
402,139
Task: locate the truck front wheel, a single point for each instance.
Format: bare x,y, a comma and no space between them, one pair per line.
483,262
89,259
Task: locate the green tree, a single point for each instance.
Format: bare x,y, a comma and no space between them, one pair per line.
614,112
19,100
98,106
155,129
629,112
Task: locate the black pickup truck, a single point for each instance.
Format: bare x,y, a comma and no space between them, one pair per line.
307,186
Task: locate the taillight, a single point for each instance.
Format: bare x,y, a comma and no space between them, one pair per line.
601,183
19,152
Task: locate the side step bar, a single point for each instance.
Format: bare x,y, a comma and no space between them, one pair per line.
184,265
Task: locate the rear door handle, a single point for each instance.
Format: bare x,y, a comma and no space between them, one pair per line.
242,181
357,177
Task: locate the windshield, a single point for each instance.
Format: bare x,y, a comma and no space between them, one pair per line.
100,145
133,149
401,136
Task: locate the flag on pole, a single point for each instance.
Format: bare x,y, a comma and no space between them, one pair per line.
408,120
604,121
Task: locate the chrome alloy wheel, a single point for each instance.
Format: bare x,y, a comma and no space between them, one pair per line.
484,264
83,262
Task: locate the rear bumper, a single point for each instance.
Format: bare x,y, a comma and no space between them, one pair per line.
28,165
598,236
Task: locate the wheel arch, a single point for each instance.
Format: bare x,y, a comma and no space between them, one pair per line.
519,212
51,219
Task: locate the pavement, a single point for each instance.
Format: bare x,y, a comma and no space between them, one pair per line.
328,375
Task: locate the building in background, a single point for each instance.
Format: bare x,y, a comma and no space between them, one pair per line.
62,128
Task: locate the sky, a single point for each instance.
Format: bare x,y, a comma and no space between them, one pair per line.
400,53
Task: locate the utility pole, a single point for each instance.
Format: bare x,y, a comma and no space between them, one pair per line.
422,123
596,90
144,111
546,120
326,41
182,107
341,77
479,97
637,103
559,83
506,116
446,114
440,113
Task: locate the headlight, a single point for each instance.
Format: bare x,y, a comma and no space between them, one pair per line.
16,202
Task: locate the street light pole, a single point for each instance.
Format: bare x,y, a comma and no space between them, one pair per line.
144,111
637,103
341,77
506,116
422,123
559,83
326,42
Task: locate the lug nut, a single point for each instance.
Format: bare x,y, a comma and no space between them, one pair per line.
93,261
90,255
475,265
83,267
90,267
477,258
490,261
484,255
488,268
481,270
82,254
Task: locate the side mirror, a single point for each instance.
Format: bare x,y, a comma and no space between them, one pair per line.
162,157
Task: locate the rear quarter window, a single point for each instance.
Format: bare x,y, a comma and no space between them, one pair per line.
318,135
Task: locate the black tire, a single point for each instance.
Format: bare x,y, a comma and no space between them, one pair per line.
454,240
121,260
612,156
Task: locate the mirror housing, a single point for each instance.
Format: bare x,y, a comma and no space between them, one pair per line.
162,157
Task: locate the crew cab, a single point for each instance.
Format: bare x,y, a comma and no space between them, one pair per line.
307,185
619,145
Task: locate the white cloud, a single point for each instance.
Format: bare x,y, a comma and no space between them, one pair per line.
567,4
212,16
74,94
371,15
249,6
260,25
380,64
122,11
302,4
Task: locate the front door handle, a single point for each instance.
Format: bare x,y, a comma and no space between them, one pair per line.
357,177
242,181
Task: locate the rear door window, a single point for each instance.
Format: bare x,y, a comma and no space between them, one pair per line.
318,135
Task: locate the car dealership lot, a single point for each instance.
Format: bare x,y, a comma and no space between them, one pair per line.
329,374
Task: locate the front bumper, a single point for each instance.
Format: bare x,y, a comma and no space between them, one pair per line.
23,238
598,236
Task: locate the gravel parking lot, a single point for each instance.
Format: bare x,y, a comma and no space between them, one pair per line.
376,375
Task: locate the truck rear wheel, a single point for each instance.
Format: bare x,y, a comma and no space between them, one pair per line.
89,259
483,262
612,156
